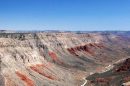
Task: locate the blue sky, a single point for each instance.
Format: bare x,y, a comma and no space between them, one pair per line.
84,15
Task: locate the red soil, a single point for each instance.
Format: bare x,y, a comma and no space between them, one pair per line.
125,66
24,78
38,68
88,48
72,51
54,57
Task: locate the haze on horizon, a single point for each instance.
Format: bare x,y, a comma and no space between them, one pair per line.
74,15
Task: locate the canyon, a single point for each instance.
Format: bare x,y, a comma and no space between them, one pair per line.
65,58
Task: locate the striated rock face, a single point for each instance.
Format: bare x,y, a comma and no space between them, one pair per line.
60,58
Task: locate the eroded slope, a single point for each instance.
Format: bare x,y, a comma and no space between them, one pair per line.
57,59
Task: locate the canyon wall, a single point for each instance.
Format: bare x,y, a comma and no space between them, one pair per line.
58,58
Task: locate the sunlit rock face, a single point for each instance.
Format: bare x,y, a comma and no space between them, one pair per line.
59,58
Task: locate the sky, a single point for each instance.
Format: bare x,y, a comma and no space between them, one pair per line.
66,15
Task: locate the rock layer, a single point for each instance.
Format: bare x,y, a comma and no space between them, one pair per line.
59,58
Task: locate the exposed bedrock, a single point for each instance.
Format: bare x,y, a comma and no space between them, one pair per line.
59,58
